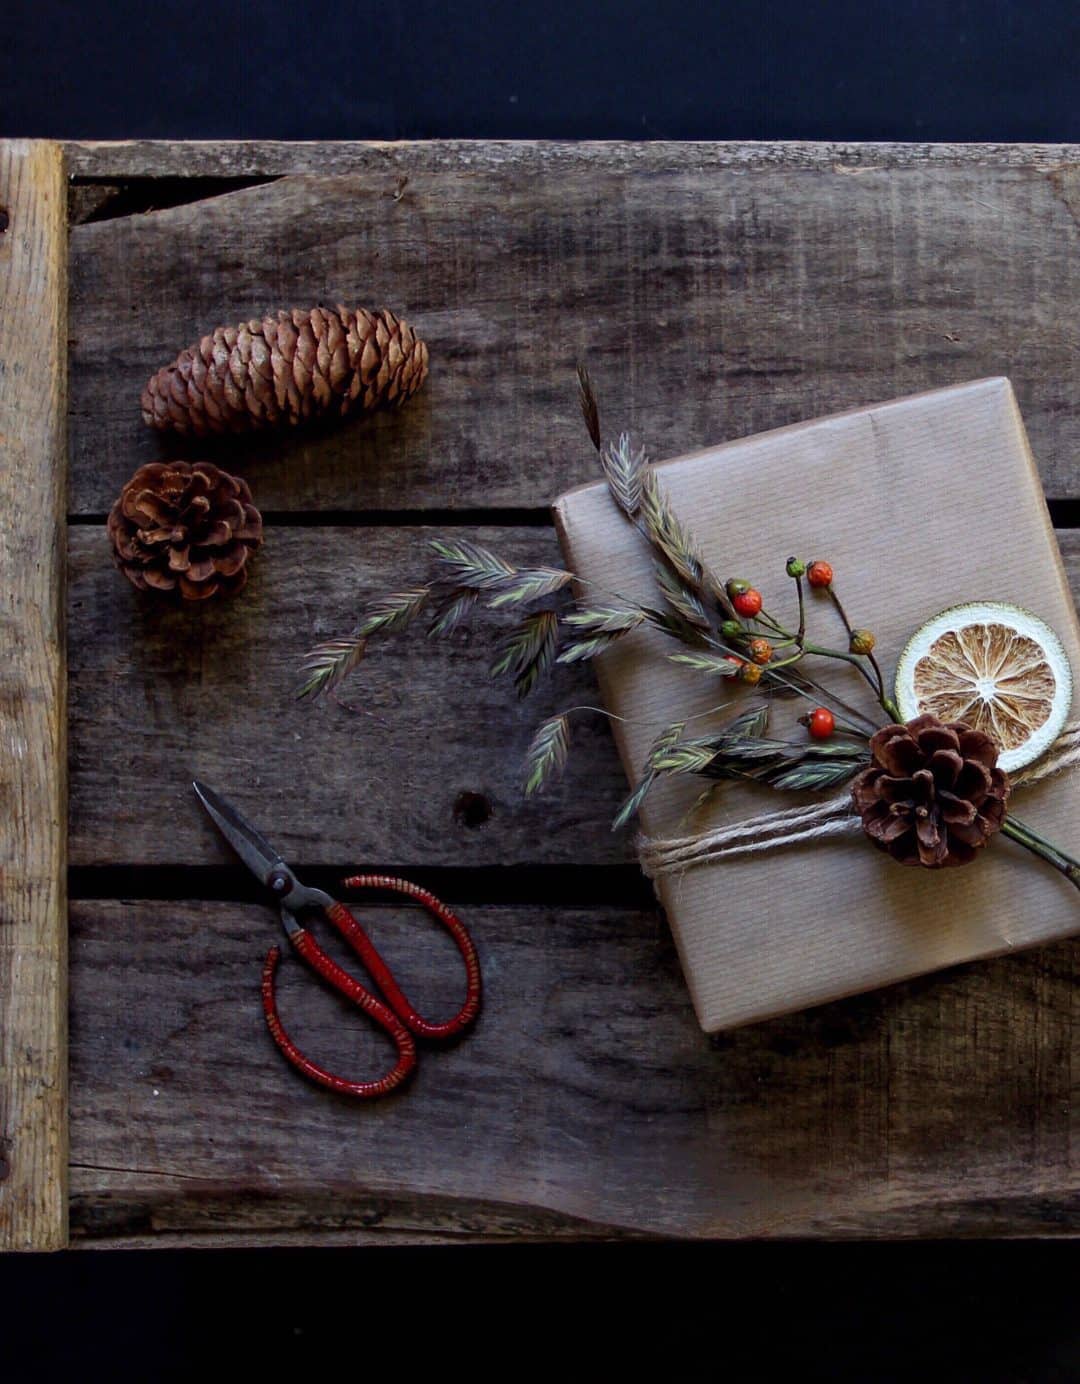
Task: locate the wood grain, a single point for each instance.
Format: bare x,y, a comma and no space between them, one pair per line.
33,920
712,300
585,1104
107,161
159,696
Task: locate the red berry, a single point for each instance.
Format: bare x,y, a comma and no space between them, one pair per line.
821,723
747,602
760,650
819,574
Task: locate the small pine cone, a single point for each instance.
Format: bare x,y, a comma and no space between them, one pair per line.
933,793
287,369
185,528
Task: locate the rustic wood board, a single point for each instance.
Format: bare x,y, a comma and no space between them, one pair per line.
586,1103
33,723
709,303
716,289
432,727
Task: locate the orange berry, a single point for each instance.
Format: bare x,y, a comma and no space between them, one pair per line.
819,574
751,673
747,602
861,641
760,650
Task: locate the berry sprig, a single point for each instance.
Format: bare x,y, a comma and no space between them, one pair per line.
759,627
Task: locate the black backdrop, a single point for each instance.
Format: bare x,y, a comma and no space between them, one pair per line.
563,69
834,69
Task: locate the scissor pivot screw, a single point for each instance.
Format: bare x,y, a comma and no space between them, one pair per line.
280,882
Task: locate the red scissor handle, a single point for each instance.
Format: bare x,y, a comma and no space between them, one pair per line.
377,968
396,1015
331,972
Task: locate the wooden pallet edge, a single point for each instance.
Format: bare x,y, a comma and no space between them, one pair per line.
111,160
33,692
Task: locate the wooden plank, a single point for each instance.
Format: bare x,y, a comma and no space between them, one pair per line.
586,1103
712,302
115,160
160,695
33,918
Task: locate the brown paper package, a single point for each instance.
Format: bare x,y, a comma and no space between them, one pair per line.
919,504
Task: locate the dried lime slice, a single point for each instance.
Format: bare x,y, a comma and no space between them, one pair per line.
997,667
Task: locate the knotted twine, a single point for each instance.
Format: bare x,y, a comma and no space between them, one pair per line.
836,816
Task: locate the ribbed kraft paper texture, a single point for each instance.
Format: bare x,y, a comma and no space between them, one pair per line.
919,504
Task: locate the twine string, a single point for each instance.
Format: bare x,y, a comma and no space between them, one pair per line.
793,826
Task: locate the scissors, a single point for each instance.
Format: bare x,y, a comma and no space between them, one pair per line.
392,1012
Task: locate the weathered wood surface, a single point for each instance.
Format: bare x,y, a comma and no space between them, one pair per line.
711,303
33,931
585,1103
717,289
112,160
159,696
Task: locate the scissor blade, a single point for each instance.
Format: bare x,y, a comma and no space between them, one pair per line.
252,848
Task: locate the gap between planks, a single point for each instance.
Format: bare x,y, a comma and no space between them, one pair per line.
521,517
616,886
1064,514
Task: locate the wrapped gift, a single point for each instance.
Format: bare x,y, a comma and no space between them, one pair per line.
918,504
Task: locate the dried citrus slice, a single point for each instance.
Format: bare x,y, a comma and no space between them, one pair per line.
997,667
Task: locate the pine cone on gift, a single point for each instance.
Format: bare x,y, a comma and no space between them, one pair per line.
185,528
933,793
287,369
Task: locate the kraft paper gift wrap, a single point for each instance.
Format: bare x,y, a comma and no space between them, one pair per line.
919,504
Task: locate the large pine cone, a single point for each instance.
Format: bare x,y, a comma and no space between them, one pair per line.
933,793
287,369
185,528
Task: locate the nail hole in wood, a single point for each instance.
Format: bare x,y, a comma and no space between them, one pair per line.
472,809
5,220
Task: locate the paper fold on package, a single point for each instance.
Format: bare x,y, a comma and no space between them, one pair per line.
918,504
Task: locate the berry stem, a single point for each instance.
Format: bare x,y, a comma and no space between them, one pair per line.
784,662
885,701
1030,839
802,609
839,608
856,662
764,618
822,694
881,682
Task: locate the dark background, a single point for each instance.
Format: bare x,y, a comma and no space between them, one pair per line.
984,70
565,69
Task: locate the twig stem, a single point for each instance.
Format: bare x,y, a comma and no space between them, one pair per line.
802,609
1031,840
